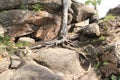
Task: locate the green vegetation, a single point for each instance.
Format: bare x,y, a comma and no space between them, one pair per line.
102,38
93,2
105,63
113,77
6,44
109,17
96,66
22,44
11,47
36,7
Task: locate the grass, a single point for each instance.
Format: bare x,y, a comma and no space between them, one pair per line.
22,44
109,17
10,47
36,7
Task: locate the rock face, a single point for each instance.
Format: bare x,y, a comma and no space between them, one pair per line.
20,23
2,31
82,12
61,62
4,61
35,72
46,4
115,11
62,58
92,30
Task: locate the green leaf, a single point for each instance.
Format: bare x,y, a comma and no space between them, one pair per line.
87,2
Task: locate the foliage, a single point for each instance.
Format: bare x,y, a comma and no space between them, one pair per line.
102,38
93,2
22,44
6,44
11,47
36,7
109,17
96,66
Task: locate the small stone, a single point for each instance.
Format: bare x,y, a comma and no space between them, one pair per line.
92,29
15,61
26,39
4,63
1,31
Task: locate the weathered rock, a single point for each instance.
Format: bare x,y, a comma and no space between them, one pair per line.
108,61
115,11
40,25
2,31
26,39
4,63
6,75
60,61
117,49
15,61
92,30
91,75
49,5
82,12
91,53
110,29
32,71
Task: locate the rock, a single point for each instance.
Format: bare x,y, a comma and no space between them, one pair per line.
115,11
4,63
110,29
117,49
6,75
49,5
60,61
15,61
91,75
91,53
92,30
2,31
32,71
26,39
41,25
81,12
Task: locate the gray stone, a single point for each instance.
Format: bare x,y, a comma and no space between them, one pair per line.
32,71
92,29
26,39
115,11
82,12
6,75
117,49
2,31
4,63
60,61
15,61
20,23
49,5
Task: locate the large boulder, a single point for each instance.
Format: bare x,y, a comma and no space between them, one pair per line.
4,60
49,5
42,24
82,12
62,61
32,71
115,11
